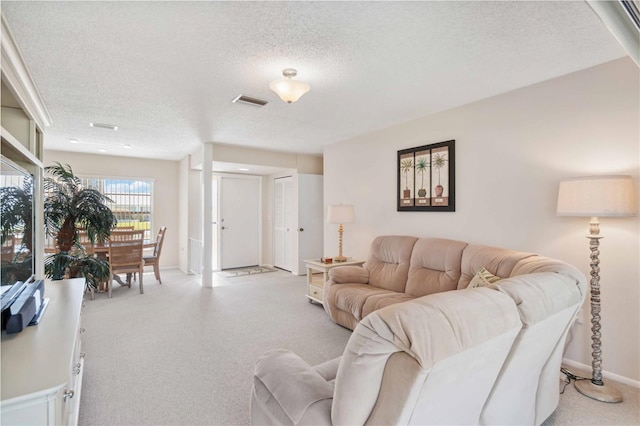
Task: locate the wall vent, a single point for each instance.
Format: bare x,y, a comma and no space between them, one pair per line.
242,99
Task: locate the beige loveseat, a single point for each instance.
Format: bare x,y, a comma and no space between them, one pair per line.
488,355
402,268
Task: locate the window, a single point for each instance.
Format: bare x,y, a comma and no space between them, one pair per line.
131,200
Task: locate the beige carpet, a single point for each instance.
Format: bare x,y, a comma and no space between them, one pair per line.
183,355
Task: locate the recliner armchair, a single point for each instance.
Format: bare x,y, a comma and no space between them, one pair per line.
477,356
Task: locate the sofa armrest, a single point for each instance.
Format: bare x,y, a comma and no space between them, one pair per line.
349,275
289,391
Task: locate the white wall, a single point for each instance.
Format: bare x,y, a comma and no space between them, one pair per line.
511,152
165,188
303,163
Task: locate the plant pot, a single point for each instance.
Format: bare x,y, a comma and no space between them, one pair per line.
406,193
439,190
422,192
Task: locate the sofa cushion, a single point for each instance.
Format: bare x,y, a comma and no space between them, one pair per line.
388,262
483,278
435,266
379,301
535,264
352,297
498,261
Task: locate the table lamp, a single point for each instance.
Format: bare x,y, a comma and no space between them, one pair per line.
340,214
593,196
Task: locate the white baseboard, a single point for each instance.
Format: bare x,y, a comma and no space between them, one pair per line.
605,374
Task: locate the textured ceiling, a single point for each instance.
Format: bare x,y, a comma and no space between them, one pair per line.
165,72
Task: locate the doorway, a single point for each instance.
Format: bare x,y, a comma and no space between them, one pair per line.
297,221
238,221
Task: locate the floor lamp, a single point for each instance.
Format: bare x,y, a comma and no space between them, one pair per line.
593,196
338,215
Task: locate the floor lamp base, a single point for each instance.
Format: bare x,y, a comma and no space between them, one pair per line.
602,393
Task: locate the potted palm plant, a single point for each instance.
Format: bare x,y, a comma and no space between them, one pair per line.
406,166
67,206
439,161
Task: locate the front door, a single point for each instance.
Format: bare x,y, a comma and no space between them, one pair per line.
239,224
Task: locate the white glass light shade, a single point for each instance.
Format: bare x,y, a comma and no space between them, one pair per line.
289,90
340,214
603,196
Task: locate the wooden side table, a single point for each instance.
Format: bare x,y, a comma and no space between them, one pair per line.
318,274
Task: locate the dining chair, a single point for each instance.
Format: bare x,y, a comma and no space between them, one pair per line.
125,256
154,259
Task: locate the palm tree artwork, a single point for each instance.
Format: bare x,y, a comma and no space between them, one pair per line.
438,162
421,167
406,166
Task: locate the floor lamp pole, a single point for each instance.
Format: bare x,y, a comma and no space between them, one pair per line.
595,388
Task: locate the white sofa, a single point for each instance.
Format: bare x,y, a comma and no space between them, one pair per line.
488,355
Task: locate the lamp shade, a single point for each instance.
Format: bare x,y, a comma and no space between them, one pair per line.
340,214
604,196
289,90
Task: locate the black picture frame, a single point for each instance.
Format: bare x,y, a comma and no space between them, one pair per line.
426,178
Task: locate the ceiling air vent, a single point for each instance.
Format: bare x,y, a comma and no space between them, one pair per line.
104,126
242,99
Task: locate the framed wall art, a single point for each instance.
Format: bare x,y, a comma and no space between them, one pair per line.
426,178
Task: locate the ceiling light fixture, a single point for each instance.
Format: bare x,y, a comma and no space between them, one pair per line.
102,150
243,169
74,141
104,126
288,89
128,146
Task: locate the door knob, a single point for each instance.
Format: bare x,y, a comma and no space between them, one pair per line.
301,229
222,227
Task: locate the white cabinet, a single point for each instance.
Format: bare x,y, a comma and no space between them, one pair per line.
42,366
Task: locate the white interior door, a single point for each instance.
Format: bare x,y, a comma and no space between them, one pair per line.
282,221
239,221
310,228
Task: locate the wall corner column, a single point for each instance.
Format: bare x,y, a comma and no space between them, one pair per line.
207,215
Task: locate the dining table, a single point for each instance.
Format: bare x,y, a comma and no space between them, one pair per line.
101,250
